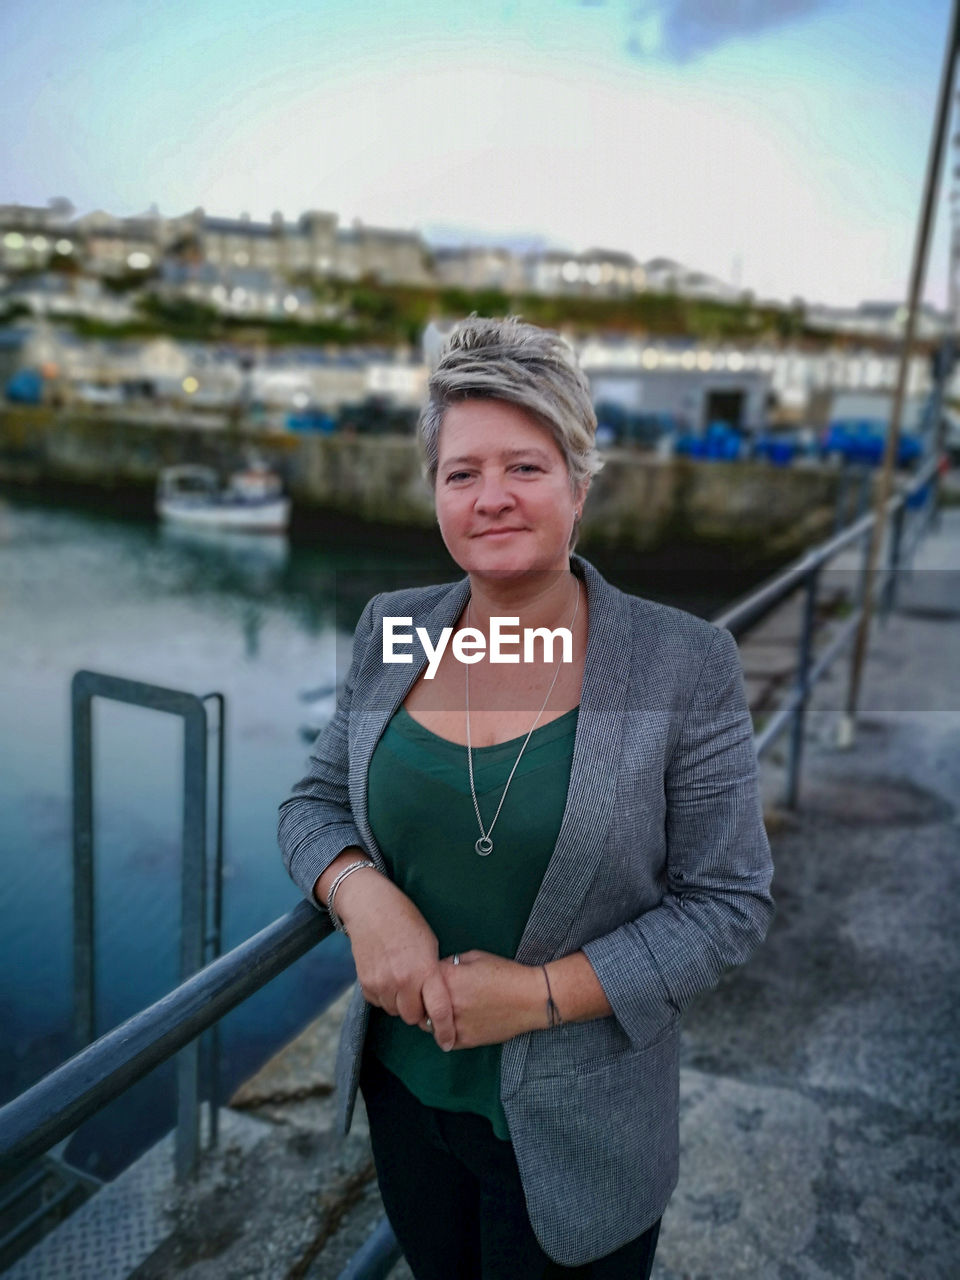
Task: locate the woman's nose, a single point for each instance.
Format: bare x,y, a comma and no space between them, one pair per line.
494,495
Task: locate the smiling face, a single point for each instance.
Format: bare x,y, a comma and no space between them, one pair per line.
504,499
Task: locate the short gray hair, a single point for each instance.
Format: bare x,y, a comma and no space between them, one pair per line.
521,365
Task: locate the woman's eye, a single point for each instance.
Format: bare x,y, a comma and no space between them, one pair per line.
457,475
527,467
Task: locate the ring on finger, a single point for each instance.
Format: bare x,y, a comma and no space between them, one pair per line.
456,957
429,1024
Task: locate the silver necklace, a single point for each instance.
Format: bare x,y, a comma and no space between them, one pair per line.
484,845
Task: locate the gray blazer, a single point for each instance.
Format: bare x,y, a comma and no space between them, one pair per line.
660,874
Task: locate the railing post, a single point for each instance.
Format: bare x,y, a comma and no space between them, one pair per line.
804,651
861,590
893,560
83,968
192,926
935,504
863,498
376,1257
214,939
840,500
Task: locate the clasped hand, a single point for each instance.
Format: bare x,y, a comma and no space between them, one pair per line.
485,999
491,998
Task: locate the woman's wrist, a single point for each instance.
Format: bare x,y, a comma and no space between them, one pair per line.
554,1017
324,882
332,889
362,864
533,999
566,990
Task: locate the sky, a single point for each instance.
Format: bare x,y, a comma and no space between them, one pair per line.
778,144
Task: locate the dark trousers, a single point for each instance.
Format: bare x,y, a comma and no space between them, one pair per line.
452,1192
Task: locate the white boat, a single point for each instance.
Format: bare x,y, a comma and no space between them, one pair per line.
252,501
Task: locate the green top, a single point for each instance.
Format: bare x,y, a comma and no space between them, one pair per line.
421,813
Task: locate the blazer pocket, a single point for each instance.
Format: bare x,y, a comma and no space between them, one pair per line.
597,1147
579,1048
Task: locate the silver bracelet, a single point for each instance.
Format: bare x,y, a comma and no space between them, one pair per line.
553,1013
347,871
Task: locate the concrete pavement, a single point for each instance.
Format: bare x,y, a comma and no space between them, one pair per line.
821,1082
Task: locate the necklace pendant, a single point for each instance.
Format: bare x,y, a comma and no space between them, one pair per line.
484,846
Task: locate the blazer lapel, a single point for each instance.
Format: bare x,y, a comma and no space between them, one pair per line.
593,773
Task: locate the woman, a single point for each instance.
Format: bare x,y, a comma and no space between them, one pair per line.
538,862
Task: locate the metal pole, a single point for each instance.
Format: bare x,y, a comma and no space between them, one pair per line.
803,687
83,960
193,926
935,505
214,938
840,502
948,358
894,562
376,1257
918,269
863,496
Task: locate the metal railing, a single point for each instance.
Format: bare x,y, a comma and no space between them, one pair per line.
806,573
62,1100
56,1105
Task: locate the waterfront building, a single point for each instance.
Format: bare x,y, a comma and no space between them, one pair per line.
611,274
664,275
205,375
598,273
112,246
383,254
697,284
878,319
800,379
303,377
312,246
685,388
299,378
479,267
58,295
32,236
805,378
254,292
402,381
304,247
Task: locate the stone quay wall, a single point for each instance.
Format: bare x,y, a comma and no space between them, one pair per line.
637,500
